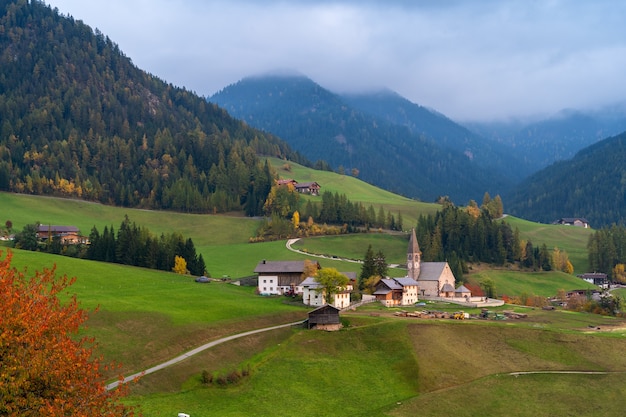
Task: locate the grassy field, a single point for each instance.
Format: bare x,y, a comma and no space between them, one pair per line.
545,284
356,191
380,365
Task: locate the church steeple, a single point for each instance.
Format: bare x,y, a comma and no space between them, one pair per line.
413,257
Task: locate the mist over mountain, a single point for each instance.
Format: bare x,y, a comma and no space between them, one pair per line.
541,142
409,150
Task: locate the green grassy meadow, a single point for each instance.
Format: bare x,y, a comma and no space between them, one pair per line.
379,365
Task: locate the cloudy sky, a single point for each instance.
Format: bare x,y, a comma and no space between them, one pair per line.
468,59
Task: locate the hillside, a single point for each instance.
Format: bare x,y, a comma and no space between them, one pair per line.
323,126
590,185
78,119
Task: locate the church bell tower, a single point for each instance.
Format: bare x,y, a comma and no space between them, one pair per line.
413,257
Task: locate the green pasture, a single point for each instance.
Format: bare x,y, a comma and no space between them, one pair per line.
145,316
390,366
354,246
569,238
545,284
203,229
356,191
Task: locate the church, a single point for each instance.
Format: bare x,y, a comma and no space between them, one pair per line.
424,279
435,279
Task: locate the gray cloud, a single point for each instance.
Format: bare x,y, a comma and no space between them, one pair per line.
466,59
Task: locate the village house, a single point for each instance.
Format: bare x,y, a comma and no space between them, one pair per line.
314,295
396,291
279,277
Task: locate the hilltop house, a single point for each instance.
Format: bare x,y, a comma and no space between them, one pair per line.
311,188
596,278
279,277
573,221
69,235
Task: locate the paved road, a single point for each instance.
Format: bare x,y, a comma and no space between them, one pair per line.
194,352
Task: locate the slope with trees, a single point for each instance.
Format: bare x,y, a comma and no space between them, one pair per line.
78,119
590,185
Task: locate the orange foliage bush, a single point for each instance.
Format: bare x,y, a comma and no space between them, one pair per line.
45,369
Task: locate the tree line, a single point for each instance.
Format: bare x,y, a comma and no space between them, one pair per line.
470,234
607,252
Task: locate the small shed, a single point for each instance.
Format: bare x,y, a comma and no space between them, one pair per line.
325,317
463,292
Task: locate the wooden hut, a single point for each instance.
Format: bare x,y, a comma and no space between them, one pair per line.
325,317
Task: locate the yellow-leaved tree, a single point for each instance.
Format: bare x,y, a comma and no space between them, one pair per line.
180,265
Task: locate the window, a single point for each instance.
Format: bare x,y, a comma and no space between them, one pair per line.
264,281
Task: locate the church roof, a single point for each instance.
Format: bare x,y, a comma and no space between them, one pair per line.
414,247
431,271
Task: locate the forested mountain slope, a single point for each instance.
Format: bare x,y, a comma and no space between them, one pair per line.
322,125
590,185
78,119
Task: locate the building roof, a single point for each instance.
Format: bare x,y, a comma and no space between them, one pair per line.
447,288
405,282
391,283
307,184
45,228
431,271
462,289
310,282
278,267
593,275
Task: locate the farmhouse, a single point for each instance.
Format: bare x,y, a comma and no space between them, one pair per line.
311,188
325,317
280,277
596,278
573,221
67,234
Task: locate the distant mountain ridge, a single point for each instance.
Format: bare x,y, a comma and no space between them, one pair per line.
347,132
556,138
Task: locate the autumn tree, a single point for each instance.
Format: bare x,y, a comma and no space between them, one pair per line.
46,369
180,265
331,281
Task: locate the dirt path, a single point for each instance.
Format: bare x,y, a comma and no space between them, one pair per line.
194,352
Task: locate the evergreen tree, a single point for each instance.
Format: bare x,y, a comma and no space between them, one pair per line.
368,268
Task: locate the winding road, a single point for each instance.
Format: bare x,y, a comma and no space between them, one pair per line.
194,352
